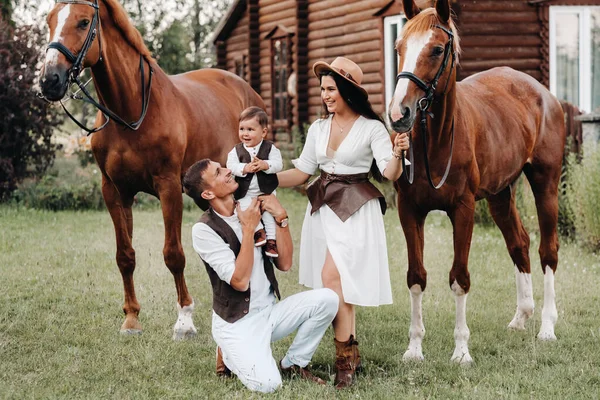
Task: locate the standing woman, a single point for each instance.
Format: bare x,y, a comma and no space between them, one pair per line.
343,244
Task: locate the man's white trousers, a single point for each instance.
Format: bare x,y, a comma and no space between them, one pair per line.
246,344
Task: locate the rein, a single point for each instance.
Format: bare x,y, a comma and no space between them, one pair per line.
77,66
424,103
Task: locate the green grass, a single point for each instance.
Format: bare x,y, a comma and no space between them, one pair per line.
60,312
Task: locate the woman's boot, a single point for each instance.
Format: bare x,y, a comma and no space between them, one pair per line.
345,362
357,360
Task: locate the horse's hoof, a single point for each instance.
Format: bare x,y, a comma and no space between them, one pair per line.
182,335
130,332
517,325
547,336
462,359
412,356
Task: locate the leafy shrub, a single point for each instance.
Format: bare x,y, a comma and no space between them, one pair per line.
483,216
27,122
583,194
49,193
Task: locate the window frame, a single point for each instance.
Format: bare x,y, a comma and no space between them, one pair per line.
281,123
585,51
390,54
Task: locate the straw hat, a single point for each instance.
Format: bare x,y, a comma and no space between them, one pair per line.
343,67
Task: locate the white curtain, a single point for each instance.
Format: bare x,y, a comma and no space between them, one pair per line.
595,37
567,57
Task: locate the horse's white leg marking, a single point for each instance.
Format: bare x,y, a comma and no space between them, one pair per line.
52,54
414,46
184,327
525,304
417,329
461,330
549,314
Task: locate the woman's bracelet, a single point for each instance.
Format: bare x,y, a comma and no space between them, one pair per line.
397,156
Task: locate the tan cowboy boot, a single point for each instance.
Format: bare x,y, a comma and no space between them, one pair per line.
357,360
222,370
345,362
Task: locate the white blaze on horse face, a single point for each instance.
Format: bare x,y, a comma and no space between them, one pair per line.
414,47
525,304
62,17
416,332
549,314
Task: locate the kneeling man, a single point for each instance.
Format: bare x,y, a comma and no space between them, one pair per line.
246,316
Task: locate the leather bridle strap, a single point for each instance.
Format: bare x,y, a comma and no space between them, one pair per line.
76,68
423,104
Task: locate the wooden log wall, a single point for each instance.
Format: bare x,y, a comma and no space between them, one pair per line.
348,29
495,33
237,46
273,13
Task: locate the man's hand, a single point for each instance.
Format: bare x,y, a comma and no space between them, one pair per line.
270,203
249,218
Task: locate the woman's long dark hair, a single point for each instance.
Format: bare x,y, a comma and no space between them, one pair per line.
359,103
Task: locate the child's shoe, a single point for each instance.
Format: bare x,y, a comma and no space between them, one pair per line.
271,248
260,238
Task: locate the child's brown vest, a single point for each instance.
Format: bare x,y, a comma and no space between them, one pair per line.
228,303
266,182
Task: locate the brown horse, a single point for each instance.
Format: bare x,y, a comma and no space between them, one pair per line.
492,126
188,117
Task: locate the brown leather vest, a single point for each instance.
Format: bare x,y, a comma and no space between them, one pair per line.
344,194
266,182
228,303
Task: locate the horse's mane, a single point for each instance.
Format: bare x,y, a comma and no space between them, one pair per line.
130,33
424,21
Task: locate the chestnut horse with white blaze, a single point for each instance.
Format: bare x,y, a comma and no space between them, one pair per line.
480,135
180,119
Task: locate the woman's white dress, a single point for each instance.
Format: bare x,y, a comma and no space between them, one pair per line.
358,245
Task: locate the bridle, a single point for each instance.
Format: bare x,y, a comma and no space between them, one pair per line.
423,105
77,66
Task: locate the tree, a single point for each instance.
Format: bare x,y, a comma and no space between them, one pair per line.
27,121
6,10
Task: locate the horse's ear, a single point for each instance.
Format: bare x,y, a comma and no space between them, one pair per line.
410,8
443,9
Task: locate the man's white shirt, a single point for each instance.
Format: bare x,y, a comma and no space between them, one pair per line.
212,249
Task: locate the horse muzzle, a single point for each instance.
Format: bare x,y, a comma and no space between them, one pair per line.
54,82
405,123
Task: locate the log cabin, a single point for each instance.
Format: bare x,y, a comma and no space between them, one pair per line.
273,44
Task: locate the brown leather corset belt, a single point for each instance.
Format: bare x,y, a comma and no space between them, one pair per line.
344,194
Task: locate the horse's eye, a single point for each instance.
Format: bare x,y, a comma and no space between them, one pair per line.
83,23
437,51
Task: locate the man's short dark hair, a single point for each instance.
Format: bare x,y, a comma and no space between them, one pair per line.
193,184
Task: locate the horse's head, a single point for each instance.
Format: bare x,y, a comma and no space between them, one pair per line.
426,49
73,26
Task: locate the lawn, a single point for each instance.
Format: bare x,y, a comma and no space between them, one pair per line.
60,312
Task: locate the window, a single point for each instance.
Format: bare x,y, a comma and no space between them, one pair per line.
392,26
240,66
281,69
575,55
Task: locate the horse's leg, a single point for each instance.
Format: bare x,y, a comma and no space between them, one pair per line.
462,218
416,278
545,190
119,209
504,211
171,200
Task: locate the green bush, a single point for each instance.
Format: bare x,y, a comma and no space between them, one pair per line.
49,193
583,194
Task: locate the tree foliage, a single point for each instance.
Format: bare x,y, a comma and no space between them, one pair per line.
27,122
